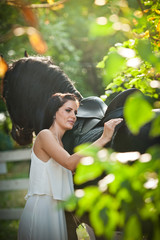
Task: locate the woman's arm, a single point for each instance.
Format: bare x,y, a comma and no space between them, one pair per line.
52,148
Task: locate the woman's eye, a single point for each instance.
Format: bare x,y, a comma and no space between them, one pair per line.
68,110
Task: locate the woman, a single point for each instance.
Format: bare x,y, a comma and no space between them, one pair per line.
51,171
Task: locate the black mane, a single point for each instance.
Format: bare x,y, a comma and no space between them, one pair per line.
33,80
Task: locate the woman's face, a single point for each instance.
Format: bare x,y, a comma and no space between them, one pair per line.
66,115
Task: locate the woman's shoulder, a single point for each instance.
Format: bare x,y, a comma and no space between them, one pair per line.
44,138
44,133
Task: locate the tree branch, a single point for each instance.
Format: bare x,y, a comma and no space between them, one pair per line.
33,6
47,5
141,5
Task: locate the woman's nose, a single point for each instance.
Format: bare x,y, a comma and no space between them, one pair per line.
74,115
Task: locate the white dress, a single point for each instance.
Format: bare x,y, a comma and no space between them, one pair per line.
49,183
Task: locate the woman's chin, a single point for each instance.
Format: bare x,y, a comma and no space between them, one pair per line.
69,127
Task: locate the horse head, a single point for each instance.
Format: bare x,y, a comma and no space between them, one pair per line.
27,86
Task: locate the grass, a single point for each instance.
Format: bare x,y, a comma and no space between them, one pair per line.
16,170
8,229
13,199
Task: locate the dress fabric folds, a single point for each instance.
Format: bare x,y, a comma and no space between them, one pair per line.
49,184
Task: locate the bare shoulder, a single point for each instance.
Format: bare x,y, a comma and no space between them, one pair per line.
45,134
43,142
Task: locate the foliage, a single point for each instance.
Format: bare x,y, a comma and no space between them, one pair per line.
5,139
127,198
133,70
135,106
8,229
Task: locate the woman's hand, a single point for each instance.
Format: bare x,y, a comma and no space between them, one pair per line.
109,128
108,131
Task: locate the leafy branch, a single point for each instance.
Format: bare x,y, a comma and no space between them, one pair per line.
21,3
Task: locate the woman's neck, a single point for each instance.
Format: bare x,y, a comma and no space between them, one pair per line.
57,132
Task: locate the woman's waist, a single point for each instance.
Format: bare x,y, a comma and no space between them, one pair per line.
37,195
57,192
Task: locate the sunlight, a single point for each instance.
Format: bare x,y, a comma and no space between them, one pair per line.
11,52
117,26
146,157
138,14
134,62
87,161
100,2
127,156
151,183
101,20
126,52
155,84
121,26
125,27
105,181
2,117
79,193
114,18
19,31
103,155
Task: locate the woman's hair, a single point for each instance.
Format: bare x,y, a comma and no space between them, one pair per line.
54,103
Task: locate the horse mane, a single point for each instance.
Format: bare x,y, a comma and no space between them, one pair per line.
27,86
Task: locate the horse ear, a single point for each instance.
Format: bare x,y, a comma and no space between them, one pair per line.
26,54
3,67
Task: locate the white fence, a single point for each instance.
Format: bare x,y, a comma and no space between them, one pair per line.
13,184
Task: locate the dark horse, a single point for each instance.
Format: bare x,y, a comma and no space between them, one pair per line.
28,84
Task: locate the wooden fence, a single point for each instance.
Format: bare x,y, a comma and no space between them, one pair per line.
13,184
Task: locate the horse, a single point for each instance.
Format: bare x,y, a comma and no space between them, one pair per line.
27,86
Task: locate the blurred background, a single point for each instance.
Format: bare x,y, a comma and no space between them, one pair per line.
104,46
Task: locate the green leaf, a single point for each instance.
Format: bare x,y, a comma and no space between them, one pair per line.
114,65
87,173
124,194
104,215
101,64
155,129
145,50
91,194
70,204
137,112
132,229
101,30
